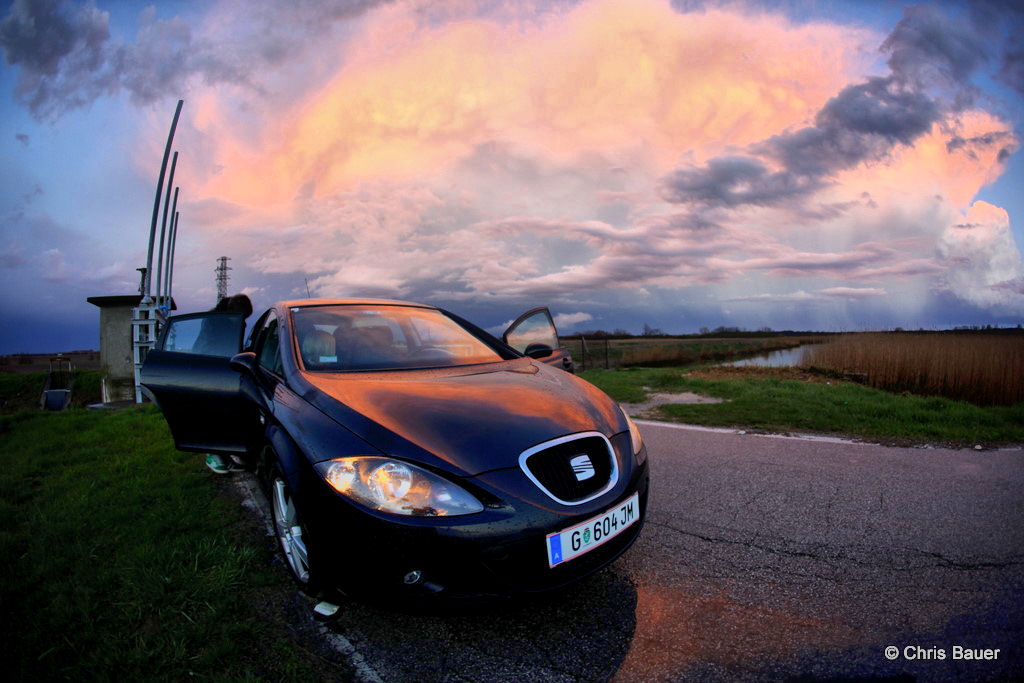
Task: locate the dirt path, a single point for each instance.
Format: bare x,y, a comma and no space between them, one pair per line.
648,408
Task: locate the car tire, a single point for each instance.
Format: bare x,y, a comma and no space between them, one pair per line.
293,539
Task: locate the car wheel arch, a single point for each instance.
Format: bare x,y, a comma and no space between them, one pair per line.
281,451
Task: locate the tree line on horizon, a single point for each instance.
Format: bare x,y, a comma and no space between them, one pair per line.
651,332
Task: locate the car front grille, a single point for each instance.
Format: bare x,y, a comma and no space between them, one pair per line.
572,469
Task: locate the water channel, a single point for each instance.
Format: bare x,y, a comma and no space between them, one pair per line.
775,359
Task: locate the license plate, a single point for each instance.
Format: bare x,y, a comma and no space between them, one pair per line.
585,536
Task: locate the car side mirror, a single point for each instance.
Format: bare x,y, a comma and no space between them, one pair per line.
538,350
244,362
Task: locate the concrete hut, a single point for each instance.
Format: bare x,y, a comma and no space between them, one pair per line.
116,355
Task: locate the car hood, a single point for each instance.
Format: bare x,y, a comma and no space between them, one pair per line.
466,420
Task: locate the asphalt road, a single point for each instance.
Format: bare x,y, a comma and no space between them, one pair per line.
763,558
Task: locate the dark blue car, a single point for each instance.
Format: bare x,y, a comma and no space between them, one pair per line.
406,452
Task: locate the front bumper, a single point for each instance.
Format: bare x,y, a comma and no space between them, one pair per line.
501,551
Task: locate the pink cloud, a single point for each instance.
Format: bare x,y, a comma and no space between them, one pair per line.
412,96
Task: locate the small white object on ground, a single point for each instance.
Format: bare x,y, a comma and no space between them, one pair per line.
325,610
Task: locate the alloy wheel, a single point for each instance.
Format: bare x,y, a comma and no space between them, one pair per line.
289,531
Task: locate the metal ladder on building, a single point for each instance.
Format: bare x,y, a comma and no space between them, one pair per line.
144,332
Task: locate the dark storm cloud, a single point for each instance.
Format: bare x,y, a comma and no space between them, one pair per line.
1006,142
879,107
928,44
67,59
734,181
22,138
861,123
39,34
1003,22
55,45
1012,70
986,140
929,47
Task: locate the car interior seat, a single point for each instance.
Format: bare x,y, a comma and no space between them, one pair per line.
319,350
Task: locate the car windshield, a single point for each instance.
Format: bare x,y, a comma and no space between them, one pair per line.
348,337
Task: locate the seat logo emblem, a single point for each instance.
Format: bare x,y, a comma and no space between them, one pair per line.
582,467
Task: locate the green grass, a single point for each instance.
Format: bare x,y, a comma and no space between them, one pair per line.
839,408
121,561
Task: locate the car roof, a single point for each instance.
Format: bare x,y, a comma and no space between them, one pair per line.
297,303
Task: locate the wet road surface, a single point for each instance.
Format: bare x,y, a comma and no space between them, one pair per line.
763,558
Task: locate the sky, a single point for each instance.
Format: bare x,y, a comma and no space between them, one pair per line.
792,164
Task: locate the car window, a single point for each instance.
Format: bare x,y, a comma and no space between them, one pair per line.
536,328
269,348
208,335
254,332
347,337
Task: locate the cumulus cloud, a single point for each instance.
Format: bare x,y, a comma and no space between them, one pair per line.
564,320
983,263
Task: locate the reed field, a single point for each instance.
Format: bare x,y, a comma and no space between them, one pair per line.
985,369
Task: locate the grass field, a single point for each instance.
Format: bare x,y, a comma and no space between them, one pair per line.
122,561
987,369
782,401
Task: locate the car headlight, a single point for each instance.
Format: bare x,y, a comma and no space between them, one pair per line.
635,439
397,487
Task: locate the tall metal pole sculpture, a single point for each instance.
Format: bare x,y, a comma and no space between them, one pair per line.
163,301
156,200
163,233
170,260
143,317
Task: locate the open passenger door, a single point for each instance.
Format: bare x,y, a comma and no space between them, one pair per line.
189,377
534,334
